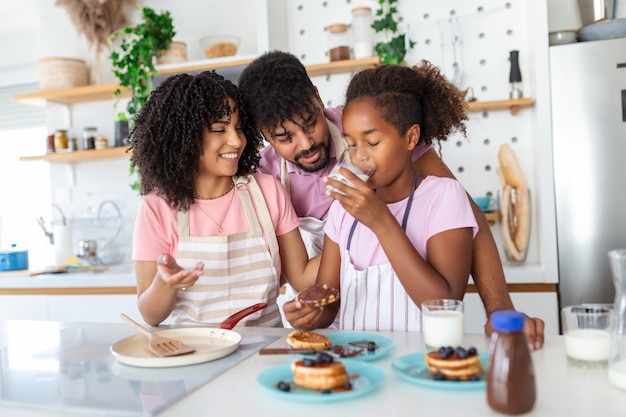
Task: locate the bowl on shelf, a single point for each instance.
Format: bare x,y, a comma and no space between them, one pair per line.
216,46
562,37
485,203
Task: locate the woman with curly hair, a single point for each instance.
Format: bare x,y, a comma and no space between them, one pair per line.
210,233
398,239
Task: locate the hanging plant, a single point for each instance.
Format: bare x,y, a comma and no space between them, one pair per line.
394,49
134,64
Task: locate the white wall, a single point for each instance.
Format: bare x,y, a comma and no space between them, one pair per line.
488,30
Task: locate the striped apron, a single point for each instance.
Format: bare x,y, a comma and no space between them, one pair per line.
239,270
374,298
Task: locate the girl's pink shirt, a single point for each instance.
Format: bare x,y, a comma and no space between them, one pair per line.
439,204
156,225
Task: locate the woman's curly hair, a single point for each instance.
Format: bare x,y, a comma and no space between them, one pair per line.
277,88
167,137
407,96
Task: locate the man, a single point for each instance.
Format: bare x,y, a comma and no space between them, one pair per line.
306,138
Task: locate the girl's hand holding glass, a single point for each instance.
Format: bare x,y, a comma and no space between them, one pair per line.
355,161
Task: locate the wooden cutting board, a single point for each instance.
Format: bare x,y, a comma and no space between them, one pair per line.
33,272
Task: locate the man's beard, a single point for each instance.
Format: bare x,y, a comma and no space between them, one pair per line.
318,165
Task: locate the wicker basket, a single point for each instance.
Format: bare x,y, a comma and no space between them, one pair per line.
176,53
60,73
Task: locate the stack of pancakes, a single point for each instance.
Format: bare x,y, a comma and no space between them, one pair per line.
453,367
319,375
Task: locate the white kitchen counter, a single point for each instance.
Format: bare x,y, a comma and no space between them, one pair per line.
562,389
120,276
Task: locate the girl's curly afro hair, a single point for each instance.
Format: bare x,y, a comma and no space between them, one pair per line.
167,137
407,96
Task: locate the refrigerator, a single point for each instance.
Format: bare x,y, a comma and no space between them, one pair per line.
588,99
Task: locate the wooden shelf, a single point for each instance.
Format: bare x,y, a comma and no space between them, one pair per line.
80,156
514,105
492,217
102,92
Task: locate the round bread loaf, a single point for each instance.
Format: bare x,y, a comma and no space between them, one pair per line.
319,376
301,339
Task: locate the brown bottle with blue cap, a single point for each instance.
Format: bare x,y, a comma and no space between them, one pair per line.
510,375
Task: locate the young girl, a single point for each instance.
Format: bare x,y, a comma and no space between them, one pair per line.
209,235
397,240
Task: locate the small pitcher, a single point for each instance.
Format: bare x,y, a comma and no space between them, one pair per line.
617,358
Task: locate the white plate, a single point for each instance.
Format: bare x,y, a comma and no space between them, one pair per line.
210,344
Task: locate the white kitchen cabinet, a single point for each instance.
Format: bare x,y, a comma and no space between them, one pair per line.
99,308
23,307
535,304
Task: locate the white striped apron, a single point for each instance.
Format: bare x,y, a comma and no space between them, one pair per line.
239,270
374,298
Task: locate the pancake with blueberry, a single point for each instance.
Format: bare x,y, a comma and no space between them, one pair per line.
320,373
458,364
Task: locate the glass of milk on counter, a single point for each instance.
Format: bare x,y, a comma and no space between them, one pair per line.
587,334
443,323
355,161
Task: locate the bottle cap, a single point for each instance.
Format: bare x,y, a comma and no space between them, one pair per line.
507,321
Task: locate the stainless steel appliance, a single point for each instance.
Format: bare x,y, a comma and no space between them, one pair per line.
589,144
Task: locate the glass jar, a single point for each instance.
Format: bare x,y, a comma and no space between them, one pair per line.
89,137
362,32
617,357
60,140
50,143
338,42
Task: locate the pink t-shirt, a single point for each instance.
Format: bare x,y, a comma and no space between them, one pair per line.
308,190
156,225
439,204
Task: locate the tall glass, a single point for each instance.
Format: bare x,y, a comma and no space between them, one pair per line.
443,323
617,360
355,161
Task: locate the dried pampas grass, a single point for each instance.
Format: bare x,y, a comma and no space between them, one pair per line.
96,19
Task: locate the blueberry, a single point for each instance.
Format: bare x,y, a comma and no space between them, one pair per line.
444,352
461,353
326,391
474,378
439,377
472,351
348,385
283,386
308,362
324,357
371,346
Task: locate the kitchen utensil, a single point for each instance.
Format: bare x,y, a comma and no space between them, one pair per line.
562,37
210,343
283,351
160,345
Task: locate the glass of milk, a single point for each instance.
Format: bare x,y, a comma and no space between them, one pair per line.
587,331
355,161
443,323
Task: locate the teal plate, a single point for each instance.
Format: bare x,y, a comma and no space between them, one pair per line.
365,379
412,368
384,344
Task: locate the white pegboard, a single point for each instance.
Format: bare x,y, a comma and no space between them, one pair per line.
471,37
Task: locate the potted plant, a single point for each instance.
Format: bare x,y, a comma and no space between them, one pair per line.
134,64
393,50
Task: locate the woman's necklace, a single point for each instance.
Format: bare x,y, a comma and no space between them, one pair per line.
199,197
220,229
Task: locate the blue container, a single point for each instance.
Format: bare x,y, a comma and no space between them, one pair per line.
13,260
